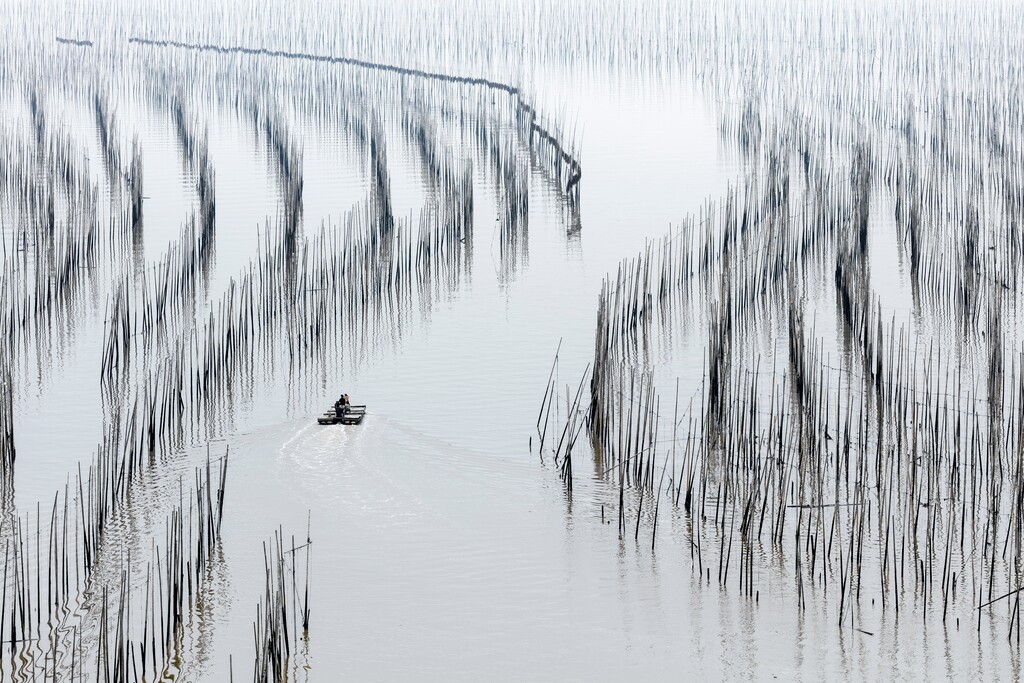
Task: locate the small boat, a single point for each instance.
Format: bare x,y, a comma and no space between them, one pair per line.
353,416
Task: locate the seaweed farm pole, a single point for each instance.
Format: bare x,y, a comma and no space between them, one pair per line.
271,628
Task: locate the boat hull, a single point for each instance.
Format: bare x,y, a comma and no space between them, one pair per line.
354,416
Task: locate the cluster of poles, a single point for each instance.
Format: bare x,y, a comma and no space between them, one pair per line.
854,431
176,357
283,609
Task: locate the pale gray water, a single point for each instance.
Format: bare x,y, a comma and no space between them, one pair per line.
444,544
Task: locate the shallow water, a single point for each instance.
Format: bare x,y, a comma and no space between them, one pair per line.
444,545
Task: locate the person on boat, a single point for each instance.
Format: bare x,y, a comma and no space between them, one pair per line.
341,406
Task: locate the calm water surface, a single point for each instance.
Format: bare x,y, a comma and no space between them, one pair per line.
444,545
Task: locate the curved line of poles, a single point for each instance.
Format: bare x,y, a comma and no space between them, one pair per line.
516,93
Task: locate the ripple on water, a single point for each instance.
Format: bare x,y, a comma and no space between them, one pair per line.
350,471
